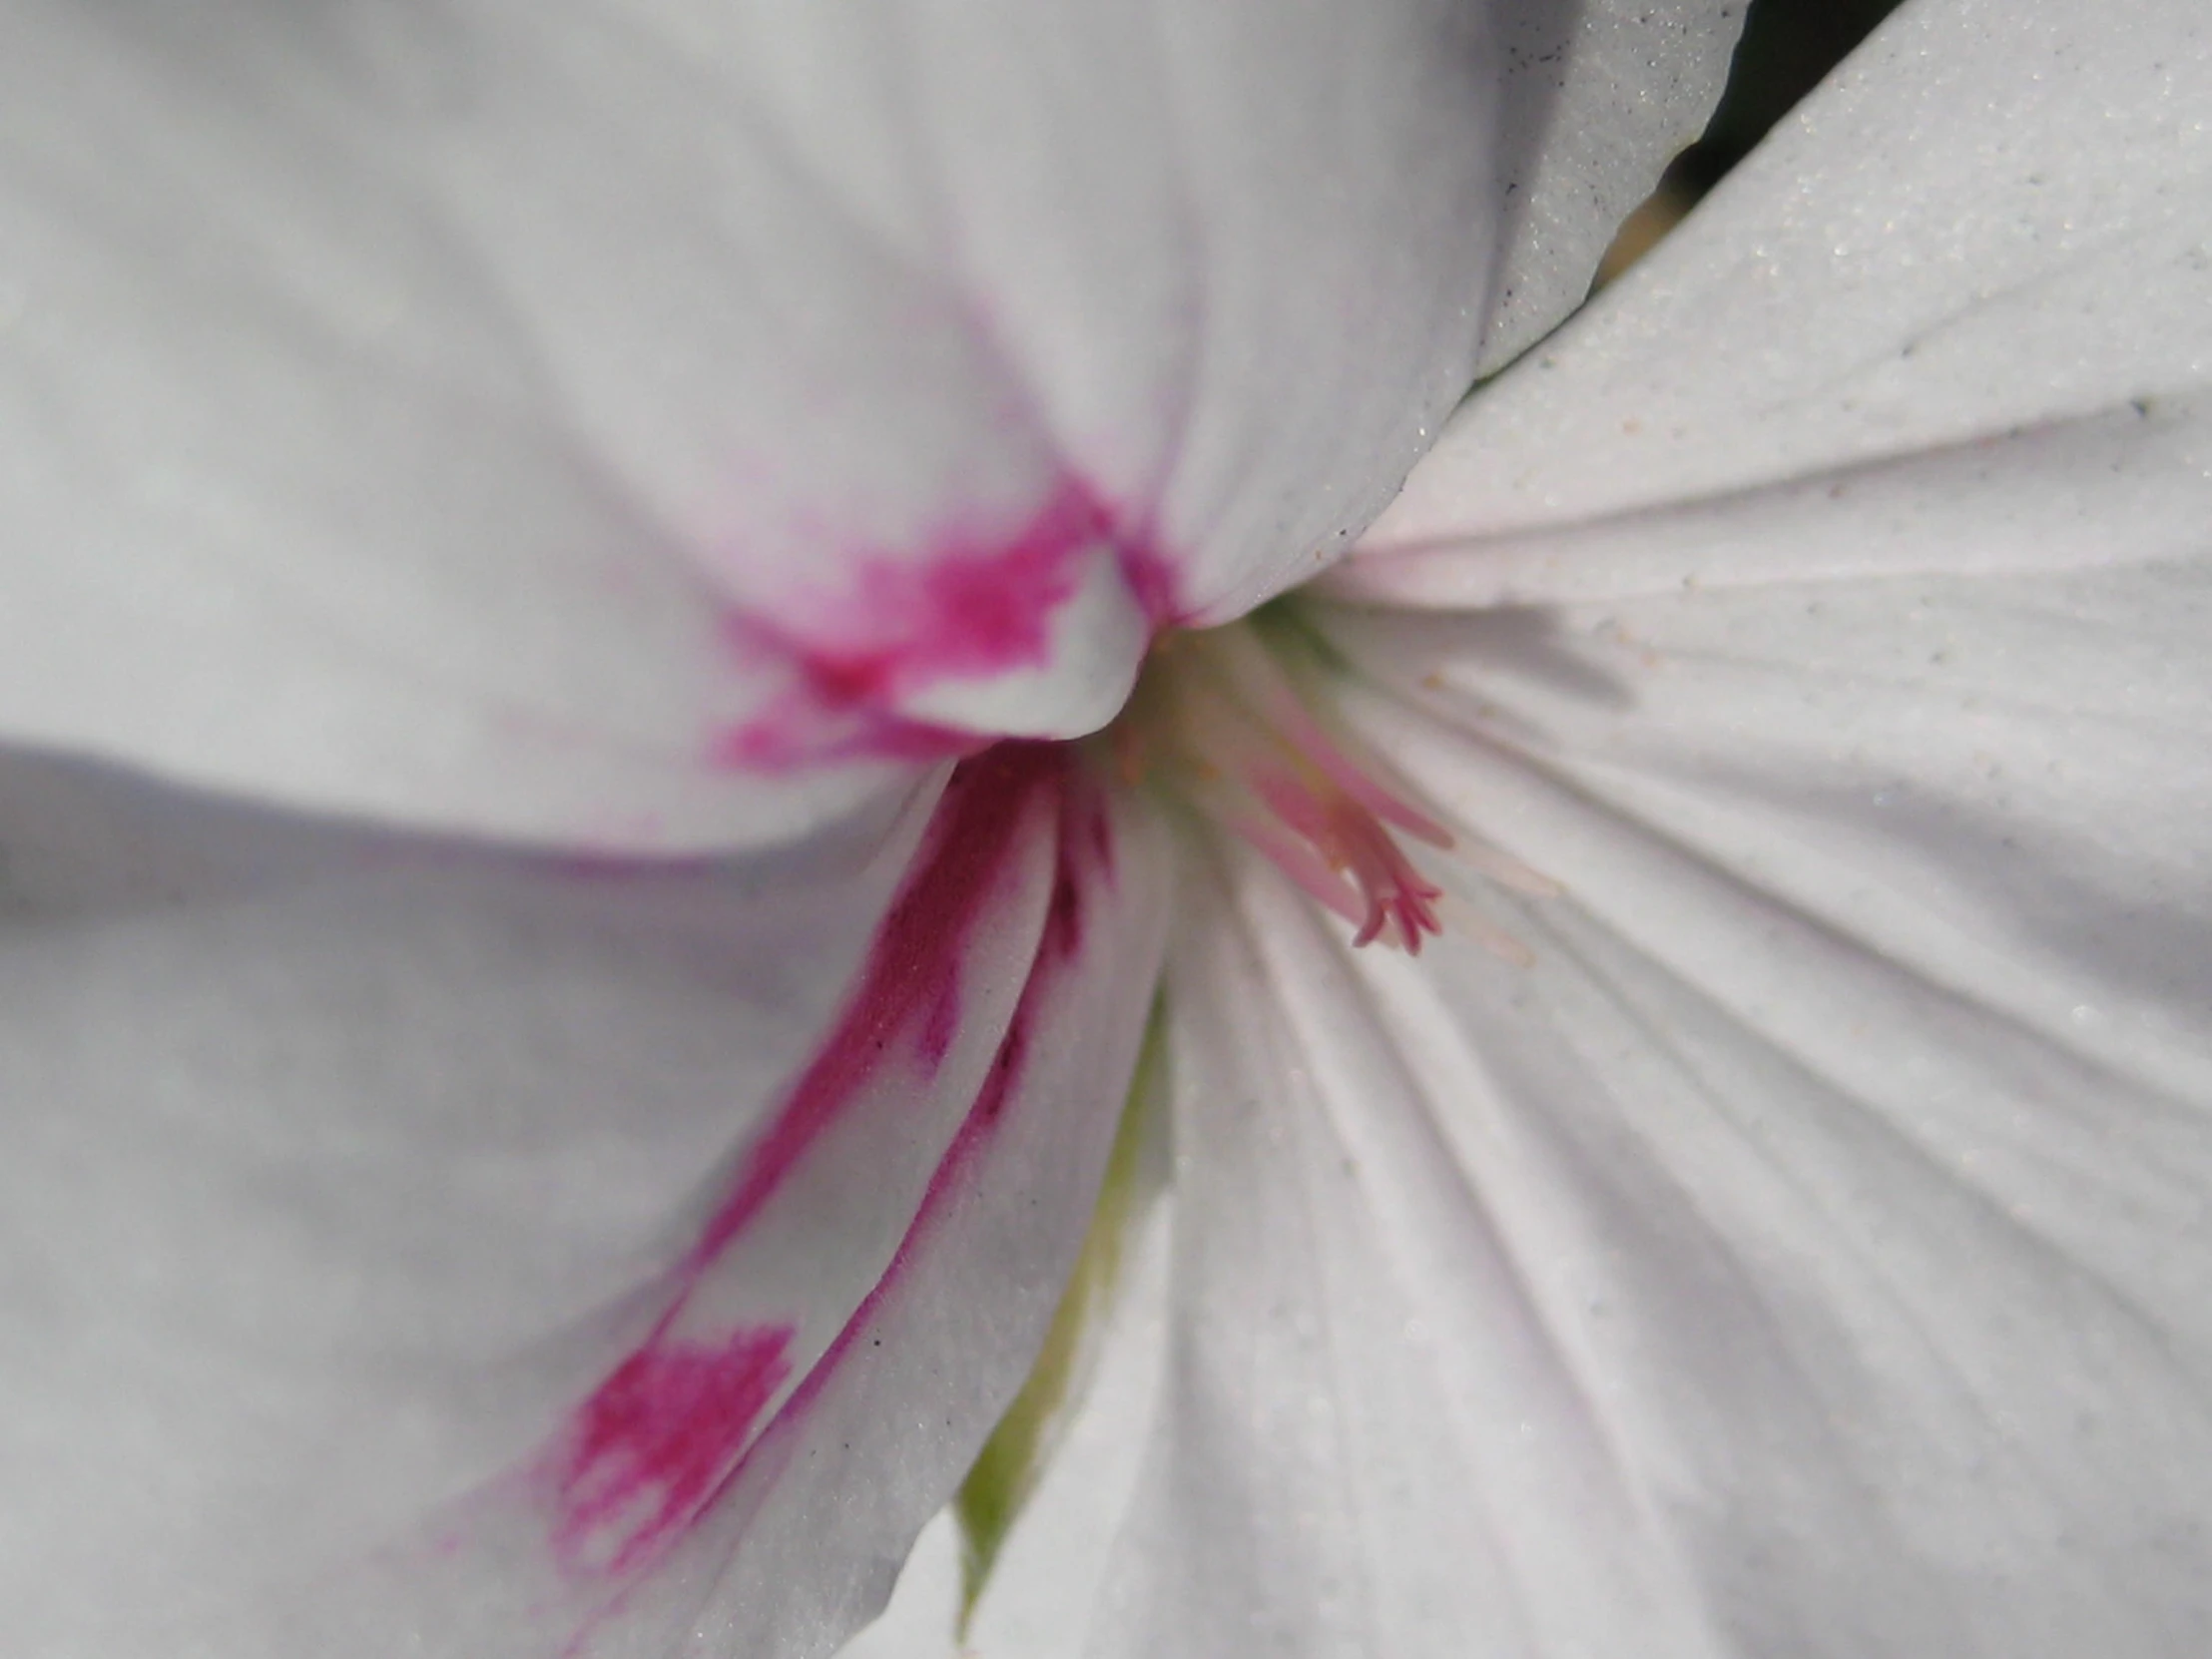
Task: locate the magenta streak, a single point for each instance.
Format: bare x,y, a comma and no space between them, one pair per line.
1085,839
667,1431
975,607
651,1444
912,972
943,1024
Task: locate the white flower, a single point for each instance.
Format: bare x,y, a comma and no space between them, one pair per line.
560,447
1808,1251
1801,1248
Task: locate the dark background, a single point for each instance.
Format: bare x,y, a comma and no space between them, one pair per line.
1788,46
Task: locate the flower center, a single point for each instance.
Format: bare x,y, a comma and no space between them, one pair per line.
1230,721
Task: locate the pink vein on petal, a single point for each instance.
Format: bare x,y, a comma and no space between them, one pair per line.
913,973
1084,859
667,1430
975,606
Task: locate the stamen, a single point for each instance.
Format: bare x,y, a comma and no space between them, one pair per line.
1224,719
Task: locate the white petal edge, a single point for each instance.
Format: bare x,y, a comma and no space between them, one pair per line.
1599,98
1953,255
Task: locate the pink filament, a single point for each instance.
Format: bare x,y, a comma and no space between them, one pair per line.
1235,731
1349,842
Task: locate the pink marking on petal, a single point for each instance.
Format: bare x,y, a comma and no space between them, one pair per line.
912,974
943,1024
1084,860
653,1443
980,605
669,1430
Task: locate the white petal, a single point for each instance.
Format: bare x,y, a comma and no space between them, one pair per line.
340,1231
1948,287
605,419
1715,1285
919,1620
292,501
1858,1113
1043,1600
865,1295
1999,780
1366,1443
326,1157
1599,99
1049,1587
